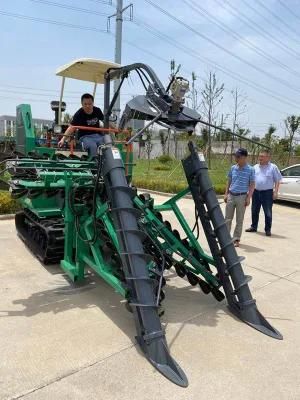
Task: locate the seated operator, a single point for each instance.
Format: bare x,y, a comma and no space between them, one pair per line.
87,115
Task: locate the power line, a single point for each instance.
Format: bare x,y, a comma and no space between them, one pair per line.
102,2
247,43
34,94
29,99
277,17
68,7
146,51
107,3
80,27
288,9
266,106
36,89
257,28
52,22
228,72
224,70
215,65
74,103
255,67
48,94
39,89
269,22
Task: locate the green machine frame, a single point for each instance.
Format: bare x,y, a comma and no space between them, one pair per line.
87,214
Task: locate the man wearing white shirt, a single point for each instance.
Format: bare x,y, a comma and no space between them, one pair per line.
267,181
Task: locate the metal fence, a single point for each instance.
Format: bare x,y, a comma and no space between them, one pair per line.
219,151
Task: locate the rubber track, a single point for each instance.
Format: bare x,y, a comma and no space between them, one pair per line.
44,237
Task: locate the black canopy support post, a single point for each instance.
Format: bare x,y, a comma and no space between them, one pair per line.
106,100
114,99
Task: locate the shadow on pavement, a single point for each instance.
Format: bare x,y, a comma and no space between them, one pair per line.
182,305
251,249
285,203
274,235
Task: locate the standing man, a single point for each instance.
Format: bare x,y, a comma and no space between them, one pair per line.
239,190
90,116
267,181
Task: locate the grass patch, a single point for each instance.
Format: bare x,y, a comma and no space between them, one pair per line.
161,168
165,177
165,158
170,178
7,204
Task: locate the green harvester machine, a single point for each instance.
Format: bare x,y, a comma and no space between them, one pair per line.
85,213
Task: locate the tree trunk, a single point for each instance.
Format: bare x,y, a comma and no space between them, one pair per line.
175,145
168,139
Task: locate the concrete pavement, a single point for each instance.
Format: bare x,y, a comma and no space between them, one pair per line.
59,341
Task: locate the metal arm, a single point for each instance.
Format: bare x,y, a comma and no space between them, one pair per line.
113,73
176,117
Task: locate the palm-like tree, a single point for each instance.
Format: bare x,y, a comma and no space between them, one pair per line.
292,124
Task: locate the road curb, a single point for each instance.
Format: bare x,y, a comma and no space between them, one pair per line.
188,196
4,217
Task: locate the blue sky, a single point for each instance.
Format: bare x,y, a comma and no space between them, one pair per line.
32,50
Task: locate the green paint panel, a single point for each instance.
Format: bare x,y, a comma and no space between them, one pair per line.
79,253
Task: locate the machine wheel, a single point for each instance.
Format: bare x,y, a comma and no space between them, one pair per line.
204,286
168,225
176,234
218,295
180,270
193,279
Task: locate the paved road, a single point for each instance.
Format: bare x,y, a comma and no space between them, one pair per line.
61,342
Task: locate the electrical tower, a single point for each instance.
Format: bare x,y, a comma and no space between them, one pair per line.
118,43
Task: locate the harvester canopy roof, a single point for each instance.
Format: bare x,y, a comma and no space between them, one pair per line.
86,69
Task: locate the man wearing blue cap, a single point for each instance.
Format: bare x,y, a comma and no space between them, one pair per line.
238,193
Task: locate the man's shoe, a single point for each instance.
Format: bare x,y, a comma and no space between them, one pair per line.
251,229
268,233
236,243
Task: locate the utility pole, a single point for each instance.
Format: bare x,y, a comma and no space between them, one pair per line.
118,43
194,93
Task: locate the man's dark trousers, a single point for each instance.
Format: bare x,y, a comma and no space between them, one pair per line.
264,199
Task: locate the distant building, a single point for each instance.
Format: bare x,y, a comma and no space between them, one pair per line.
136,124
8,124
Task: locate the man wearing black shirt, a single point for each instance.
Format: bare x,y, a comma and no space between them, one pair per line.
90,116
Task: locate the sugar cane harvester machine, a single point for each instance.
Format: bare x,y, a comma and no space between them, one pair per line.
85,213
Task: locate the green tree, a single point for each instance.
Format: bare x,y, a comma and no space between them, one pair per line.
148,147
163,136
194,94
204,136
67,118
239,108
269,138
297,151
242,132
212,95
284,144
174,69
292,124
